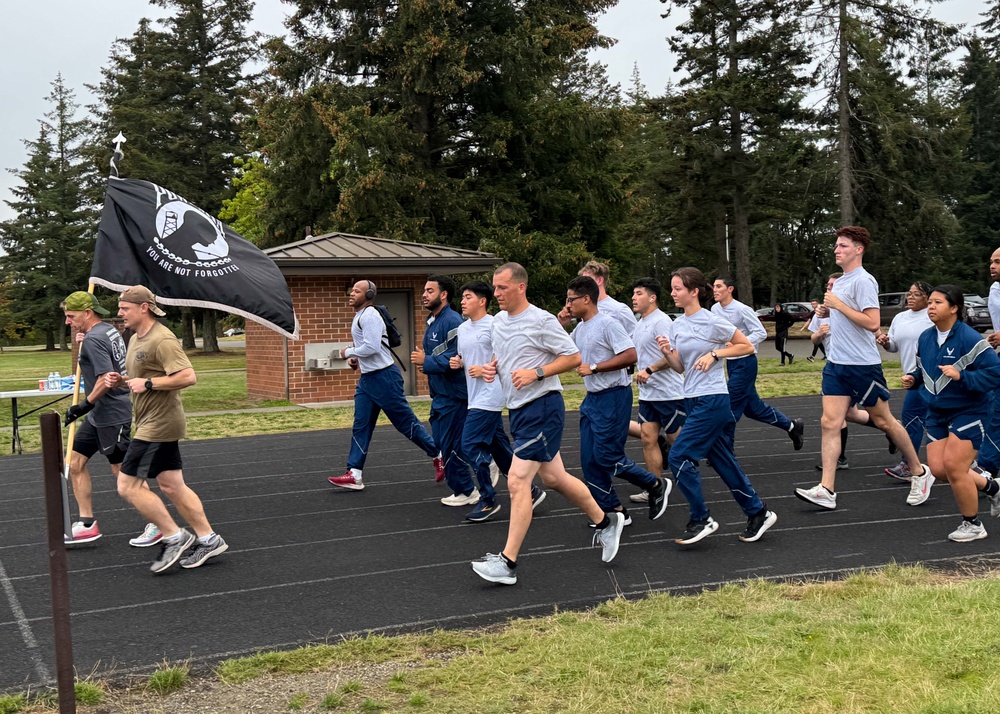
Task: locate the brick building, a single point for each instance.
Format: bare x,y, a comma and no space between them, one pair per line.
320,271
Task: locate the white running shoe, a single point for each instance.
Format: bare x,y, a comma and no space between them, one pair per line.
642,497
457,499
967,532
995,504
818,496
920,487
150,536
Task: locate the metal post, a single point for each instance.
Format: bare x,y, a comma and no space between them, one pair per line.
55,503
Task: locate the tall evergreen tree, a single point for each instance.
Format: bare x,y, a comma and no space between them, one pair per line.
54,225
181,95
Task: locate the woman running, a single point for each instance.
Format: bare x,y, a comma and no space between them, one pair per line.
902,337
956,368
701,341
782,323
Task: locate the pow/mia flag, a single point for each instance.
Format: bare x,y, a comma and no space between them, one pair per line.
153,237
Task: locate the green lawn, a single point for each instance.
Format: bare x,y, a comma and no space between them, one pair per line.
897,641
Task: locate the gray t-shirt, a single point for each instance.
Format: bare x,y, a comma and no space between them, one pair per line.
665,385
370,345
103,351
744,319
619,311
850,344
600,338
993,301
816,323
904,332
697,335
528,340
475,346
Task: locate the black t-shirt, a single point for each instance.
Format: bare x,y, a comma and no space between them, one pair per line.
782,321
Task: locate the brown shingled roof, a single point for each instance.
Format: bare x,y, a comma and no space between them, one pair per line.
346,251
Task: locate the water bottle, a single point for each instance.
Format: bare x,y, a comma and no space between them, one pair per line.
57,382
50,380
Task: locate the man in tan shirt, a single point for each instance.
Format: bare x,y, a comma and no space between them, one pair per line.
157,369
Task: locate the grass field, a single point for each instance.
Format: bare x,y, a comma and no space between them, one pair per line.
897,641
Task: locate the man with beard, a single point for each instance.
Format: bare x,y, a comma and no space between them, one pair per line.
449,397
380,389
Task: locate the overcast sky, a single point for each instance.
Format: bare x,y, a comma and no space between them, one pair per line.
42,38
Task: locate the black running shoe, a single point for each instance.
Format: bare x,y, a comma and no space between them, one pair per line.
796,432
696,530
757,524
658,498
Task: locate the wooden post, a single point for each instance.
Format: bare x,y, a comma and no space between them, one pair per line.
52,476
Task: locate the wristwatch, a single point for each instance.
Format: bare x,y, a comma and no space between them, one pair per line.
540,373
648,371
593,368
714,356
149,385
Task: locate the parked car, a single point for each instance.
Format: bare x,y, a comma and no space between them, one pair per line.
232,331
977,313
890,305
800,311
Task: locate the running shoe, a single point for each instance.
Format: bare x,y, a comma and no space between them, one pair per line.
494,473
458,499
900,471
796,432
810,358
995,504
83,534
757,524
967,532
624,512
438,469
658,498
608,538
696,530
482,512
170,553
348,481
641,497
203,551
818,496
537,496
494,568
842,464
920,487
150,536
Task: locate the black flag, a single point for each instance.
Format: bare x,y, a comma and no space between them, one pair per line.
153,237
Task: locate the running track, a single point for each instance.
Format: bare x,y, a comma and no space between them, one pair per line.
308,563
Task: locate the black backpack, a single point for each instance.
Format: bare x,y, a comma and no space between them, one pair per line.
392,336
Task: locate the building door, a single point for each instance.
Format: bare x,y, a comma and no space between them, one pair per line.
400,305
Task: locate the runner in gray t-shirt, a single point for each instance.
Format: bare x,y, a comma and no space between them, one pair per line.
530,350
107,426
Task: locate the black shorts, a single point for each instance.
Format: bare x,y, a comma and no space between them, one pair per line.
148,459
112,441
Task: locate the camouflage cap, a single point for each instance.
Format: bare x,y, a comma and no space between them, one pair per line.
80,301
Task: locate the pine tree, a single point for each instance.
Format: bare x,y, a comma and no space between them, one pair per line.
181,95
49,241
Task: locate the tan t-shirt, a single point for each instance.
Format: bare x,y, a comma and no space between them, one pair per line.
158,415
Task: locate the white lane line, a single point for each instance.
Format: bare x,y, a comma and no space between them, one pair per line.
23,624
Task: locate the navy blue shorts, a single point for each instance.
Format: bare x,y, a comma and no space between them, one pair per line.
537,428
863,383
966,425
669,415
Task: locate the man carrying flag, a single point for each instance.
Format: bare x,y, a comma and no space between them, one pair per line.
107,425
157,369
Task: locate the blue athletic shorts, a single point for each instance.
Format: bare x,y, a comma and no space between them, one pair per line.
863,383
669,415
966,425
537,427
